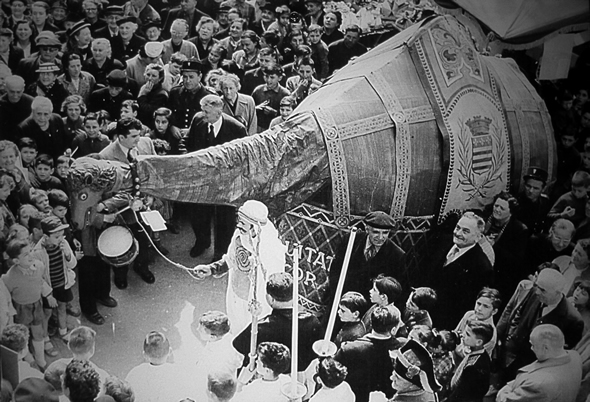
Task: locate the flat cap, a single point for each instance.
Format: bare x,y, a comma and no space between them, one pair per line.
77,27
379,220
153,49
47,38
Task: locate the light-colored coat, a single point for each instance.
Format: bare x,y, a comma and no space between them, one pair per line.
553,380
187,48
246,111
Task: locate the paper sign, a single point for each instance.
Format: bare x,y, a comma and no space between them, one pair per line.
154,220
557,57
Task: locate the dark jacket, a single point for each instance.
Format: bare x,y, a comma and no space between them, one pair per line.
369,365
122,52
176,13
185,104
102,100
52,141
100,73
389,260
276,327
12,114
197,137
15,55
473,380
457,284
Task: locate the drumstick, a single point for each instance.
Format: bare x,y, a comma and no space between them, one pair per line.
122,210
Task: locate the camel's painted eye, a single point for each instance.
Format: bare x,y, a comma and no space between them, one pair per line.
83,196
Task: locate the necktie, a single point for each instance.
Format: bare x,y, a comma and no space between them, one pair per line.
211,135
131,155
452,254
370,252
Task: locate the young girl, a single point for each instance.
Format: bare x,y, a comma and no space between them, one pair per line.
164,130
27,286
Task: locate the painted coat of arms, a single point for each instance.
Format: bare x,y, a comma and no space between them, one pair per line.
481,156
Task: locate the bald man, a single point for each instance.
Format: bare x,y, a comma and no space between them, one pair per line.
554,376
15,106
533,304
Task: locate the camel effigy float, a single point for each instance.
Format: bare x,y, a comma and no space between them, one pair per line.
420,126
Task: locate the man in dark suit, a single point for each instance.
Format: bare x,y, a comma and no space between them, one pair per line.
458,271
373,253
212,127
533,205
9,54
112,14
367,358
187,11
276,327
125,149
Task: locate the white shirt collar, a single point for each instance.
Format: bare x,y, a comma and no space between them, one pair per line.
217,126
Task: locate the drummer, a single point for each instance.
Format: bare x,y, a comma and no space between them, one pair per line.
125,148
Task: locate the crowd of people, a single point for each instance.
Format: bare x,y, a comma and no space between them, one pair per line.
498,307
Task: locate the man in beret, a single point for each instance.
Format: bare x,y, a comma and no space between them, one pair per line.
533,205
110,98
373,253
9,54
49,46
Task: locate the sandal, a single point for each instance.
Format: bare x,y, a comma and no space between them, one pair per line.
50,350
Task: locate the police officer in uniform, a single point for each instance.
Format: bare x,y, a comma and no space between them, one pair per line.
533,204
184,100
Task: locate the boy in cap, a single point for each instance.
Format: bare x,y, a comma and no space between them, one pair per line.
59,261
373,253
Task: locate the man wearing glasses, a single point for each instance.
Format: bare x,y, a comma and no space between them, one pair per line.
48,45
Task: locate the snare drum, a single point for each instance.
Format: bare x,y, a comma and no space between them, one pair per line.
117,246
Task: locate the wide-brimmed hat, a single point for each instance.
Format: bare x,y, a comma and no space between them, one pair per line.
6,32
114,10
77,27
414,364
127,19
48,68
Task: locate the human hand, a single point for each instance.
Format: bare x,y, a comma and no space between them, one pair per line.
568,212
136,204
109,218
201,271
51,301
377,396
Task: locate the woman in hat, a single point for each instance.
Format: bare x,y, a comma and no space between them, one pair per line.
59,12
48,86
23,32
76,81
127,43
79,38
